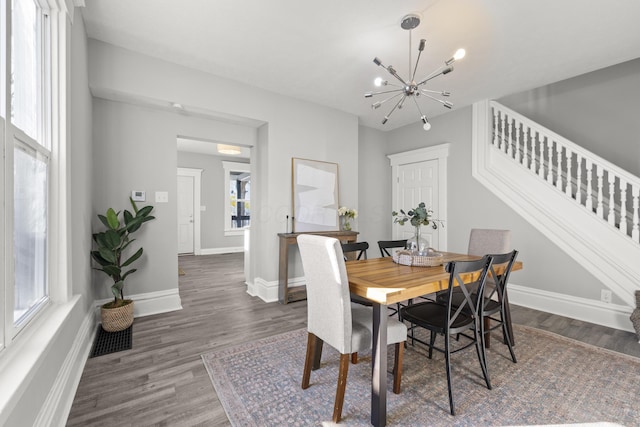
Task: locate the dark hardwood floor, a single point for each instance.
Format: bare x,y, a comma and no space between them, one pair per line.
162,380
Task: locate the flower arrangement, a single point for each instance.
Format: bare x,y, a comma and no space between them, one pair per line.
417,217
346,214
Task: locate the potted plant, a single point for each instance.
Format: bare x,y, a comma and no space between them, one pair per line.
111,245
417,217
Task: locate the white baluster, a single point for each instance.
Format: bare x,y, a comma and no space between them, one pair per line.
589,191
568,156
623,207
496,113
635,231
612,204
526,158
503,140
599,204
549,161
578,179
510,141
518,151
540,141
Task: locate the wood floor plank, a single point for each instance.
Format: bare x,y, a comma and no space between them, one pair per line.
162,380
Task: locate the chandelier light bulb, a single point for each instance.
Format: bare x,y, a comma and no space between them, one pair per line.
378,81
426,126
460,53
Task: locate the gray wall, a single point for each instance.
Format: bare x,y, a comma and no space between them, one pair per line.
212,193
295,129
599,111
374,209
471,205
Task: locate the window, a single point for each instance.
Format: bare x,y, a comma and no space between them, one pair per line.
27,138
238,196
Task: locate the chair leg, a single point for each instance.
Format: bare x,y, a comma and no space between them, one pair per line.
354,358
507,338
487,332
447,358
342,386
432,341
308,360
480,350
397,367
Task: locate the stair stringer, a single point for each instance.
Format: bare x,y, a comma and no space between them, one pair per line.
612,258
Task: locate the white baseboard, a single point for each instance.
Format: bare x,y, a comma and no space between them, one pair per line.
151,303
610,315
217,251
268,290
57,406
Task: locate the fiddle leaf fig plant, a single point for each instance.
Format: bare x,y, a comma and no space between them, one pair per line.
111,244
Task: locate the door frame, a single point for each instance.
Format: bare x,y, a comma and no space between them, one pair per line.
436,152
196,174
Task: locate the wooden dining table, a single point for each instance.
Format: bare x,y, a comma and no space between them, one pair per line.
384,282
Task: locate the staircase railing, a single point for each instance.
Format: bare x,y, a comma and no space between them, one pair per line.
606,190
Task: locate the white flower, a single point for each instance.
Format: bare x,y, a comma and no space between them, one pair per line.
349,213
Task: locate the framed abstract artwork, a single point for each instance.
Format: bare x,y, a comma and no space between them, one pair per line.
314,195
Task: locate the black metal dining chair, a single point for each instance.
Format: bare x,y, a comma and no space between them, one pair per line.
447,319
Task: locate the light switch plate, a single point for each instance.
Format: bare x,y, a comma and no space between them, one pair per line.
162,197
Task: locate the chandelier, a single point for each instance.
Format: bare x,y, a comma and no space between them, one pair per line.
409,88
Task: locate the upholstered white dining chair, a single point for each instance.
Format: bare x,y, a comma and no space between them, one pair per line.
484,241
333,319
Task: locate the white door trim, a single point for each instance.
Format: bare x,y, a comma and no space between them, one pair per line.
197,177
437,152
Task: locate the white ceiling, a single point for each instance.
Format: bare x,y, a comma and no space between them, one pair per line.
323,51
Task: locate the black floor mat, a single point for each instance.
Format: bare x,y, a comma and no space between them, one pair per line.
111,342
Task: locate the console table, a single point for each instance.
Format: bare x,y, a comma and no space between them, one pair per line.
286,295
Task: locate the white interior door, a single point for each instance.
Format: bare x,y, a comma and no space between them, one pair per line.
185,214
418,182
421,176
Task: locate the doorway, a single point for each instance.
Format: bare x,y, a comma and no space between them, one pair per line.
188,200
421,176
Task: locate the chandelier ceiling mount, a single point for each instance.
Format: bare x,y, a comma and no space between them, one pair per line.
409,88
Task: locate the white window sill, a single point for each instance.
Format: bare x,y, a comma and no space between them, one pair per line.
235,232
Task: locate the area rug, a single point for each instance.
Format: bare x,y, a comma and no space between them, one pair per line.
556,381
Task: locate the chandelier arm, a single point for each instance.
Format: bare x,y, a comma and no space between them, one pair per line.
394,74
439,92
445,103
383,91
413,77
379,103
418,106
393,109
436,73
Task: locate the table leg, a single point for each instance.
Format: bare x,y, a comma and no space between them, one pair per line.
379,366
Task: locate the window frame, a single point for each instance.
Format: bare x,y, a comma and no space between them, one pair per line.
230,167
50,146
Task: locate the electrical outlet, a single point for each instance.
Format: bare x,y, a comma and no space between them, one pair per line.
605,296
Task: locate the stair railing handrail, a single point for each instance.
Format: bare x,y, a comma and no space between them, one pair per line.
607,165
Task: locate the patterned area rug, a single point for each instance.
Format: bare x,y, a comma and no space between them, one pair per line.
556,381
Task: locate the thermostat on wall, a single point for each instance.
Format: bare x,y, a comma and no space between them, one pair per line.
138,196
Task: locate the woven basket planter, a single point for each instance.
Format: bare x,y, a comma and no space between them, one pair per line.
117,319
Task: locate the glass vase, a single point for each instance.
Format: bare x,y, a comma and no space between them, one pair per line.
417,244
345,224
